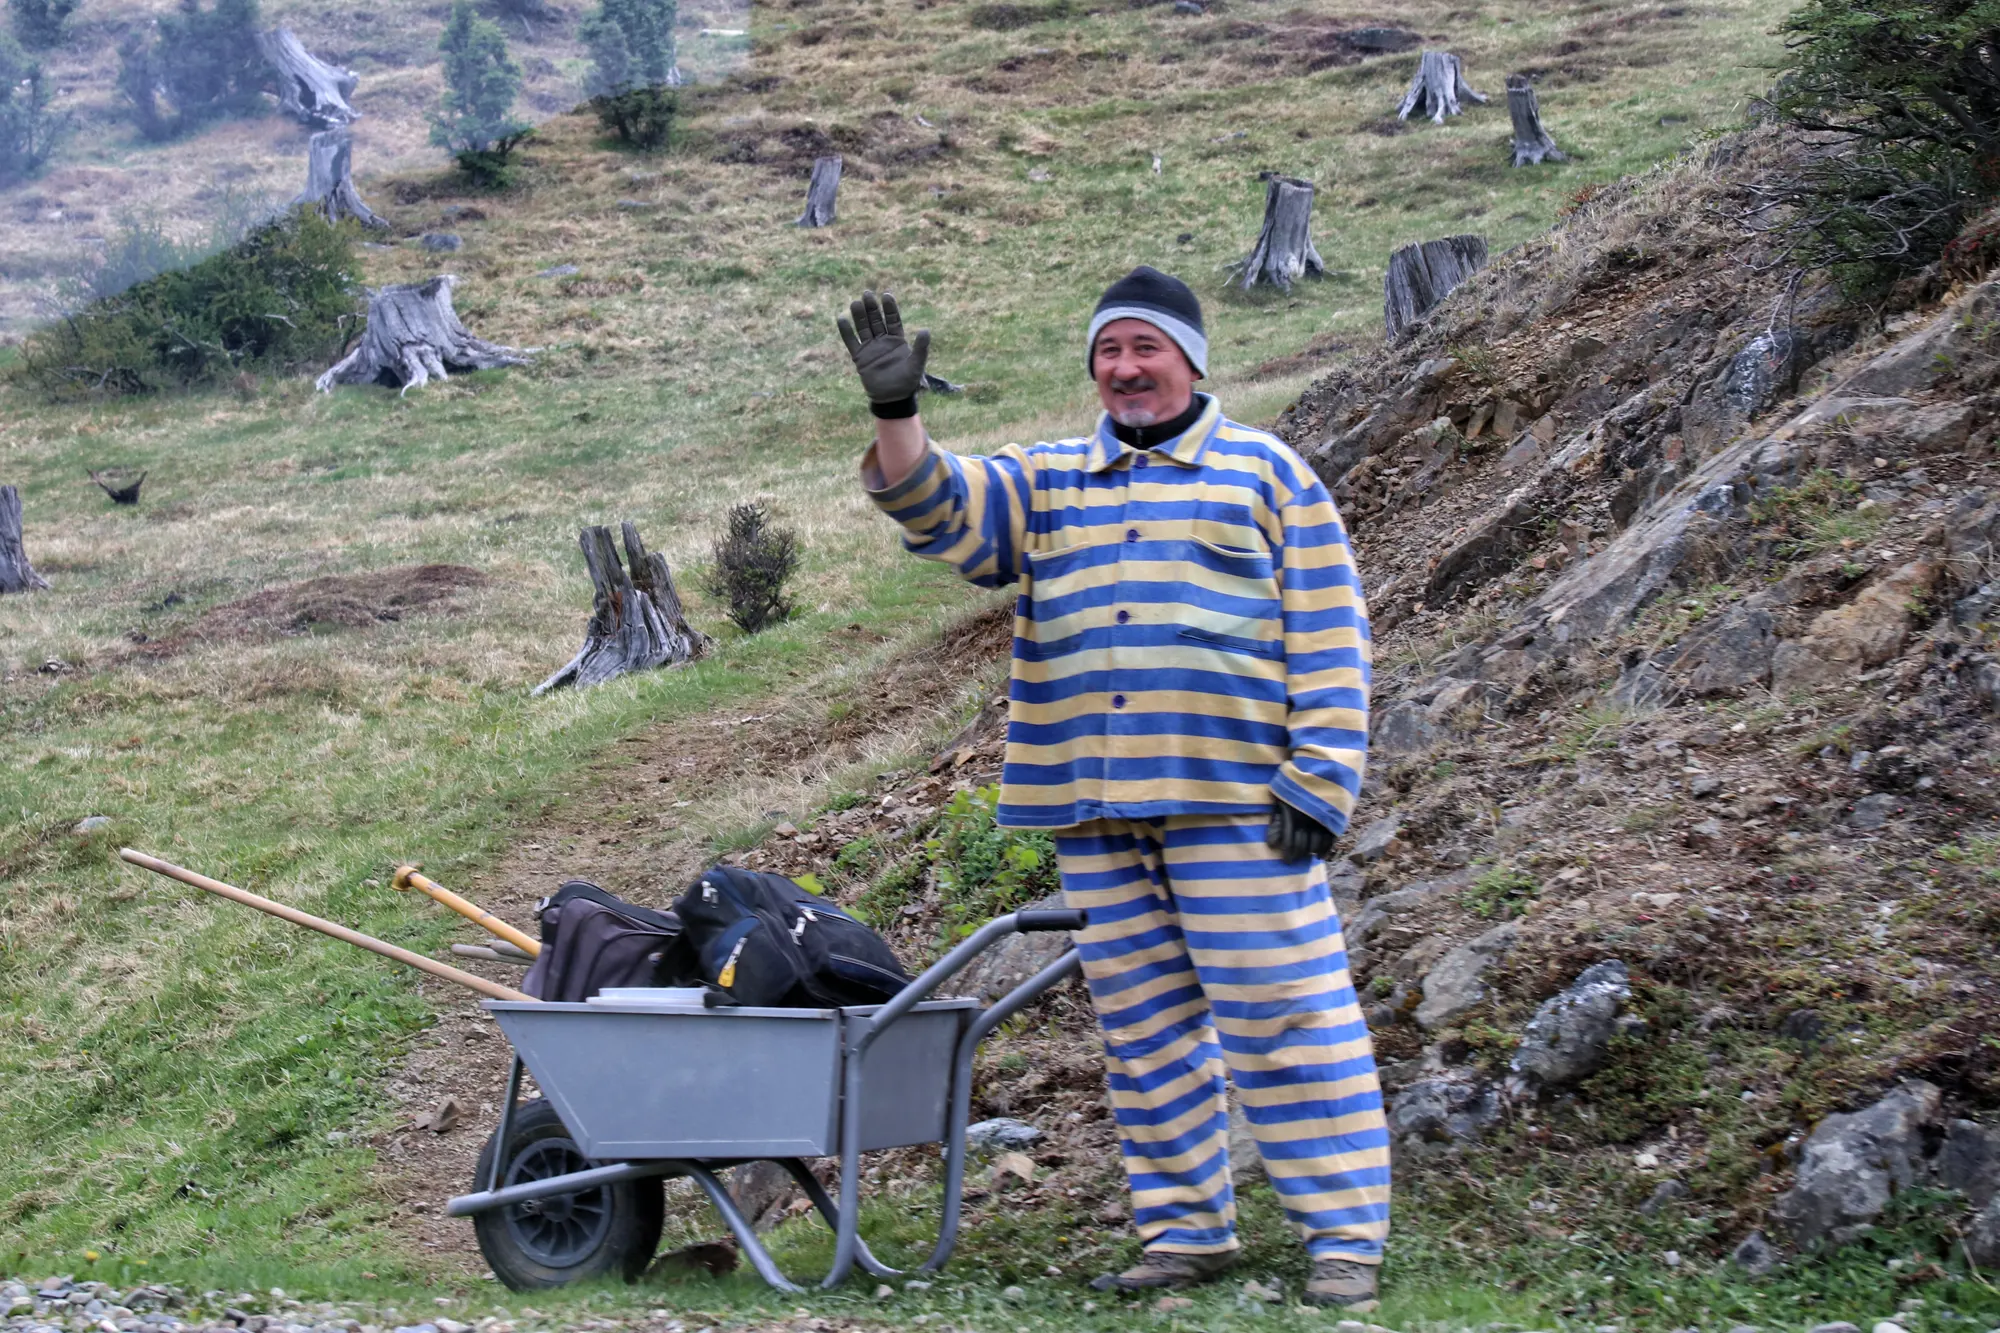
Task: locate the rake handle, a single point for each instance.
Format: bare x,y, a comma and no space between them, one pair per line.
408,878
491,989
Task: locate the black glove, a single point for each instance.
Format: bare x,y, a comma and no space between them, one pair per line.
891,369
1297,835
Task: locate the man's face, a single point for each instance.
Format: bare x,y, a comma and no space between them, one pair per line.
1143,377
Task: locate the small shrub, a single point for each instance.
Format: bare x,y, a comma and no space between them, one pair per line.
1500,893
983,869
640,117
40,23
197,65
753,562
1819,514
1902,102
278,298
475,121
28,132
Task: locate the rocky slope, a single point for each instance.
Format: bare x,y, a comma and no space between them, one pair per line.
1680,837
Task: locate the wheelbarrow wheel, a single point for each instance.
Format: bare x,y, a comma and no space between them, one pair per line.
553,1242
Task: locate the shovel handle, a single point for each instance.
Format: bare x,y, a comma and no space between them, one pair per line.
407,878
491,989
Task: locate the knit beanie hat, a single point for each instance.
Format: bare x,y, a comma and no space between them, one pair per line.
1165,302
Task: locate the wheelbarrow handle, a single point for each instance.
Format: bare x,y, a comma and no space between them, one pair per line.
1051,918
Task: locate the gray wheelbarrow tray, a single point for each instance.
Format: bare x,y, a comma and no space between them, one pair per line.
651,1090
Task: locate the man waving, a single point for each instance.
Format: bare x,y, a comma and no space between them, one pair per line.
1189,718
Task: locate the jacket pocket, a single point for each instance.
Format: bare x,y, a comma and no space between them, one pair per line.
1237,643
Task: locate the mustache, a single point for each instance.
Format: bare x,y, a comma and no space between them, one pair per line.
1137,384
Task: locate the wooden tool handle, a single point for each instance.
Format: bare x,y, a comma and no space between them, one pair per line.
492,989
407,878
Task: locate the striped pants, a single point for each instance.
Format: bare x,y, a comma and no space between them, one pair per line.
1193,917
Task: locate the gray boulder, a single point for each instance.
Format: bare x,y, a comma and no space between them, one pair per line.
1001,1135
1373,841
442,242
1012,961
1854,1163
1443,1110
1755,1255
1982,1238
1570,1035
1969,1161
1458,982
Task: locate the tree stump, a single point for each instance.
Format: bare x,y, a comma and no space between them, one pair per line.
119,484
1531,142
1284,251
822,193
636,621
1421,275
415,336
1437,88
16,574
309,89
330,181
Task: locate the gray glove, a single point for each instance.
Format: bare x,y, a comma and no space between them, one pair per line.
891,369
1296,835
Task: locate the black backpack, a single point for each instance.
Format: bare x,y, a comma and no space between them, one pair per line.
765,941
593,940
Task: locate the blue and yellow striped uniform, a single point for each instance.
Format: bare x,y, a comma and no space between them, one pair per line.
1190,638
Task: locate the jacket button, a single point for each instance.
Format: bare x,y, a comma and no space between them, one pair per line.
1131,534
1124,616
1140,461
1117,701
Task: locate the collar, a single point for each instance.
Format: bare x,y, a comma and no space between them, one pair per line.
1107,450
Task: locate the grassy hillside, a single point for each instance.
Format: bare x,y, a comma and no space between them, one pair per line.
188,1078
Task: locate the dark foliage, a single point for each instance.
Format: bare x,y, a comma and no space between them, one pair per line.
475,120
39,23
196,66
28,131
280,297
641,117
1903,103
753,562
633,73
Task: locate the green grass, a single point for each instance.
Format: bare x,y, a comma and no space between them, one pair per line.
194,1081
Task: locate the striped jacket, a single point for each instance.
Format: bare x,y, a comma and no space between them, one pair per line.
1190,635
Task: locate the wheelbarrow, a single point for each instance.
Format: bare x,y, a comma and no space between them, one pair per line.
639,1086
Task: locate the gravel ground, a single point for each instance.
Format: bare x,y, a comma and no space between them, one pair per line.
64,1305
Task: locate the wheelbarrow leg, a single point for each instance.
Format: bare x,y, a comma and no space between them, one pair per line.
1003,1009
830,1210
506,1125
739,1227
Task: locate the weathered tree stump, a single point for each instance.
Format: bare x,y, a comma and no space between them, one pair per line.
1531,142
309,89
1284,251
822,193
119,484
1421,275
16,574
330,181
636,621
415,336
1437,88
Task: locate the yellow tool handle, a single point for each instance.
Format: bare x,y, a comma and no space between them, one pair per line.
492,989
408,878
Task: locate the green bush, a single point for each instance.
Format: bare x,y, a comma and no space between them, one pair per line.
40,23
198,65
983,869
28,132
280,297
475,121
753,562
632,54
1904,109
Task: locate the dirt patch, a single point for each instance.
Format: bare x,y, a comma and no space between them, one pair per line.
883,146
626,827
336,601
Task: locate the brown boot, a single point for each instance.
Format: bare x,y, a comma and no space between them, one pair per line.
1155,1271
1344,1283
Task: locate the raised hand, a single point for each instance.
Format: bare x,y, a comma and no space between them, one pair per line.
891,368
